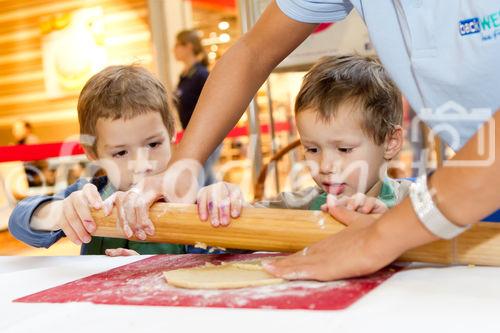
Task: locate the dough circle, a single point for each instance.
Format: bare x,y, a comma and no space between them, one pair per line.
232,275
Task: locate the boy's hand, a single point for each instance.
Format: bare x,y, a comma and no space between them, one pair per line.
133,205
120,252
358,202
132,213
219,202
76,220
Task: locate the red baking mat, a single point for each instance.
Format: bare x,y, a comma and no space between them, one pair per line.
142,283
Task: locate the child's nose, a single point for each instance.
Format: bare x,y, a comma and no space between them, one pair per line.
329,165
141,164
325,166
326,163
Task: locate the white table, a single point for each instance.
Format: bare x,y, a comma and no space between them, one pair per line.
424,299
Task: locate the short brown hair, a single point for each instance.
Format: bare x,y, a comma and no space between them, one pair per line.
358,79
122,91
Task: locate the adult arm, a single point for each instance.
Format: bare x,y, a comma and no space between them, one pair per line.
464,194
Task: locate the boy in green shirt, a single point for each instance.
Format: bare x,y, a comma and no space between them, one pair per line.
349,115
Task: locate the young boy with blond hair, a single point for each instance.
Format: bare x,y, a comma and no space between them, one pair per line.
126,127
349,115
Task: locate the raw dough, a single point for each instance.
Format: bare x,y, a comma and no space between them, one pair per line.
231,275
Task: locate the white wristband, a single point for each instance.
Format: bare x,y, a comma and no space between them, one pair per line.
428,214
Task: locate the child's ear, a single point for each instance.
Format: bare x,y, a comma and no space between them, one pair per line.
393,143
173,140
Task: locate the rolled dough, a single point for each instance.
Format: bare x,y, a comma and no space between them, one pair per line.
231,275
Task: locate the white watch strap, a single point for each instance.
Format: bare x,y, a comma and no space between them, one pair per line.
429,214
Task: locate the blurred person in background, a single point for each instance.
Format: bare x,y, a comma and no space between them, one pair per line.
38,173
189,50
22,133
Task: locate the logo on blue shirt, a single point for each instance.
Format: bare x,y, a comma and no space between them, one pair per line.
469,26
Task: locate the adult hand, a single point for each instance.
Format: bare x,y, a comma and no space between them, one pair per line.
352,252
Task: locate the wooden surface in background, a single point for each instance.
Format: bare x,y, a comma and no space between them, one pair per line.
22,90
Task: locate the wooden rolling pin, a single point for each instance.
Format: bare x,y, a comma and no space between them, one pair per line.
280,230
286,230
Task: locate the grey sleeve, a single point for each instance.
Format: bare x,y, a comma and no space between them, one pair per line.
315,11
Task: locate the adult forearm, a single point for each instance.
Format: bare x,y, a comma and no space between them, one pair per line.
468,190
227,92
463,193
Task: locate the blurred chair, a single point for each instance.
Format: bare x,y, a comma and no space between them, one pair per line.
261,180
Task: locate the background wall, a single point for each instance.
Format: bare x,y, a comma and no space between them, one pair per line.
22,91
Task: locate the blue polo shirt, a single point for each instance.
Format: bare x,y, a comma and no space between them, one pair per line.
443,54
